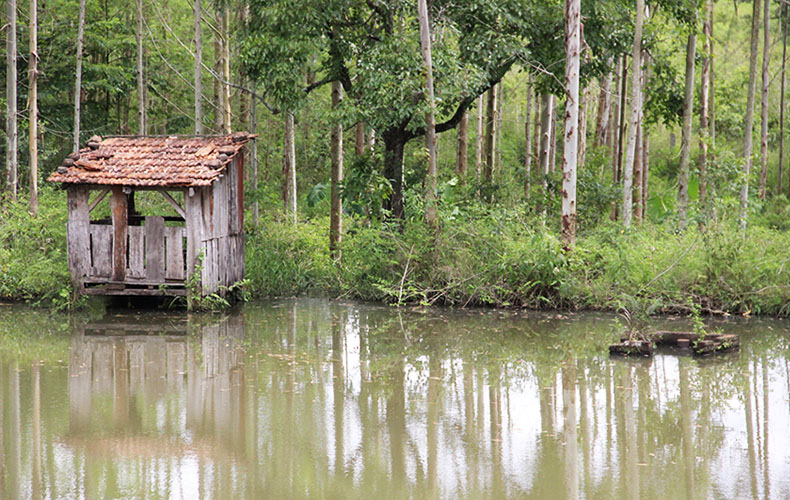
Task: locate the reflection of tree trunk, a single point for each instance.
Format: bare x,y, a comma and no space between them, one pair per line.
36,430
435,378
338,392
630,437
766,471
584,421
495,420
14,456
686,430
750,432
396,424
470,444
569,431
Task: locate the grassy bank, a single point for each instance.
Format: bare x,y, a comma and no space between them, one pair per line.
484,257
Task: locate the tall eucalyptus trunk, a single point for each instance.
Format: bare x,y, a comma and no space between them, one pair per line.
636,114
430,115
141,118
32,99
359,139
604,110
289,167
336,209
490,137
584,106
783,18
78,76
764,101
749,120
527,145
462,147
226,118
479,140
704,102
12,133
198,69
685,142
572,137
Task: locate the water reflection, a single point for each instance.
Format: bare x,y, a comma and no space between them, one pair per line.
314,399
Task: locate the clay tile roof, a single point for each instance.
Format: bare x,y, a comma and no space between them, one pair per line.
151,161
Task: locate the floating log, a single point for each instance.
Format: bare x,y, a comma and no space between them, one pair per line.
698,345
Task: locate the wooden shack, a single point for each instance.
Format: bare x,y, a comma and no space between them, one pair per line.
129,253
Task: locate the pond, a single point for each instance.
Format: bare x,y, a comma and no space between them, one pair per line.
310,398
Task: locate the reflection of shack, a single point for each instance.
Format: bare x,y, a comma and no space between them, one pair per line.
201,178
138,369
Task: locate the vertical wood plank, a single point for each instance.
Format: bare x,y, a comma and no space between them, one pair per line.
154,248
101,250
175,253
78,235
240,191
136,267
119,226
193,208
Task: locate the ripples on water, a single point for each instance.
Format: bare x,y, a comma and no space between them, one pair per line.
318,399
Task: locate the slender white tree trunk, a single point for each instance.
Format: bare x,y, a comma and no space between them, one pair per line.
636,115
359,139
78,78
33,107
479,139
749,120
226,119
141,121
461,158
254,157
11,107
685,142
604,110
430,115
571,150
336,209
783,17
198,12
764,100
290,158
704,102
527,145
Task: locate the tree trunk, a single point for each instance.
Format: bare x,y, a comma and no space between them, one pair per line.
393,171
78,78
636,114
11,104
500,94
359,139
218,69
637,199
430,115
226,118
572,133
764,100
336,210
783,20
461,162
254,158
645,170
685,141
289,168
547,107
33,107
553,141
749,120
604,110
140,77
704,104
198,11
584,105
527,145
490,137
479,140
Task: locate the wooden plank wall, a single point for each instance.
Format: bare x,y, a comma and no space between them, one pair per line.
78,234
136,263
101,250
154,248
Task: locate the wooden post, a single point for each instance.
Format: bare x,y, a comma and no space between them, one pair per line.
78,235
120,226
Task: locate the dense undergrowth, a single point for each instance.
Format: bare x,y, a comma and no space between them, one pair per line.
483,256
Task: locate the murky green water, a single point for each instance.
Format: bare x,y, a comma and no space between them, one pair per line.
318,399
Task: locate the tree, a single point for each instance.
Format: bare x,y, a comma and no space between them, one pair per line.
704,98
336,203
490,137
78,78
749,120
571,151
289,167
370,47
11,84
430,114
479,140
32,108
764,101
783,17
198,12
636,114
604,105
685,142
141,118
527,145
545,142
